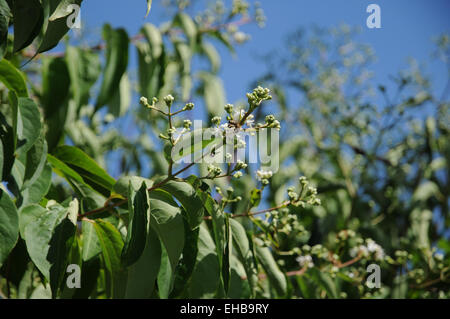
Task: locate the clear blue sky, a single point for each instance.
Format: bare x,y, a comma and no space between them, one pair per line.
407,30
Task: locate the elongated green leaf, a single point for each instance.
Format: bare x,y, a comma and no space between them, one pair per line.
58,24
55,85
189,199
116,63
90,243
276,277
139,208
142,274
186,266
28,214
36,191
165,279
35,163
7,137
13,78
29,125
227,253
214,93
239,287
90,271
49,239
122,184
111,243
84,69
167,221
245,253
149,6
154,39
213,56
86,167
121,101
218,221
5,15
326,282
28,19
1,158
62,169
205,279
188,25
9,225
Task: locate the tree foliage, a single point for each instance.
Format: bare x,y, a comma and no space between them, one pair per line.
358,183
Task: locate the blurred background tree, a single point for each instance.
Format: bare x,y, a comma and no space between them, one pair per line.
376,155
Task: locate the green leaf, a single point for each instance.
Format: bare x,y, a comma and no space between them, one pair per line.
9,225
1,158
255,197
213,56
165,279
35,162
218,221
149,6
28,19
5,16
205,279
154,40
122,184
142,274
153,73
36,191
111,243
28,126
239,285
185,268
276,277
139,218
7,137
214,93
90,242
326,282
188,25
90,271
167,221
49,240
62,169
84,69
116,63
121,101
227,253
55,85
13,78
191,202
57,25
244,253
86,167
28,214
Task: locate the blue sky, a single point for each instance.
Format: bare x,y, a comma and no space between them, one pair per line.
407,30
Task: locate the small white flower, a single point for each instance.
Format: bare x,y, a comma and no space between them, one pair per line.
305,261
237,175
439,256
249,121
262,174
241,143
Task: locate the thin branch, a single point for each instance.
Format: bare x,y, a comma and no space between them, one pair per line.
255,213
125,200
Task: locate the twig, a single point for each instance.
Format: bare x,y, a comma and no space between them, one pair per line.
125,200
